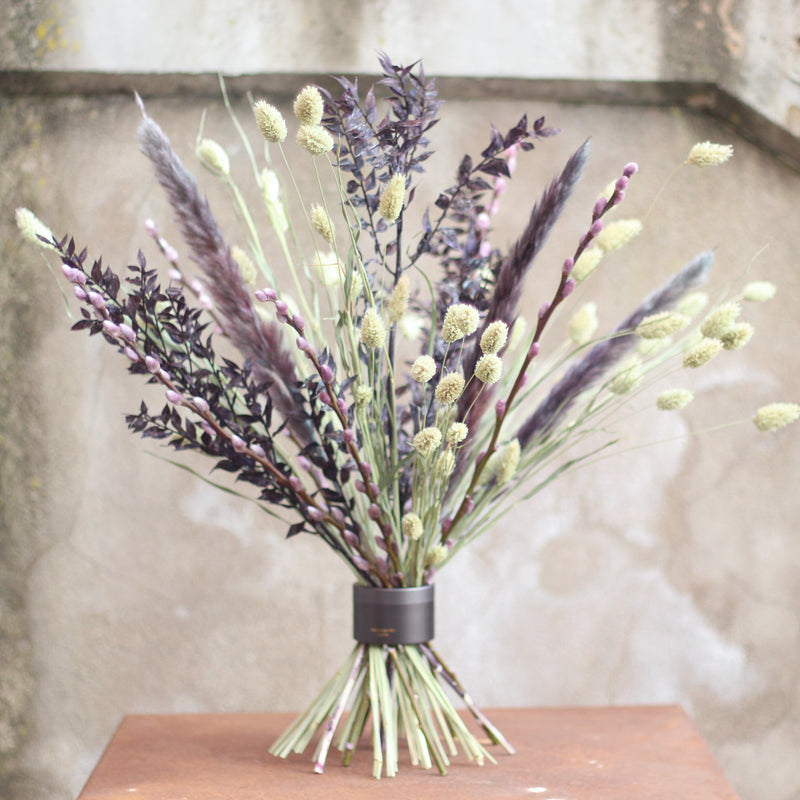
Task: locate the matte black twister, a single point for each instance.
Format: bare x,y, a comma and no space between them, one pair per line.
393,616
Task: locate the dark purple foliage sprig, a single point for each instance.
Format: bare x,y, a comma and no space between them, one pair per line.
213,404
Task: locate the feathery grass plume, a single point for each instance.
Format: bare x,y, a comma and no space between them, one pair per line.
391,203
314,139
583,324
322,223
373,331
720,320
758,291
701,353
260,342
398,300
657,326
708,154
270,121
309,105
737,336
32,228
674,399
587,263
776,415
605,354
618,233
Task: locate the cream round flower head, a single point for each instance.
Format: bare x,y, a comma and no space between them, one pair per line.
427,440
398,300
583,324
457,432
270,121
436,555
362,394
737,336
423,369
587,263
392,197
213,156
314,139
708,154
322,223
758,291
701,353
664,323
719,320
31,227
460,320
373,331
674,399
309,105
412,326
411,526
617,234
628,377
449,388
494,337
489,368
776,415
246,266
445,464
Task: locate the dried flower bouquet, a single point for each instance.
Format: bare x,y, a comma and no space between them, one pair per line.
395,461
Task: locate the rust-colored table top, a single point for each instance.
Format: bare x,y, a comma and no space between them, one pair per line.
619,753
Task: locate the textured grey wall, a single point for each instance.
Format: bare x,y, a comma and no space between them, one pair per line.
663,575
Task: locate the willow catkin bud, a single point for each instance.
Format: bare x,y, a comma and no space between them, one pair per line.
427,440
587,263
392,197
460,320
674,399
423,369
708,154
776,415
701,353
314,139
583,324
309,105
213,156
495,336
450,388
489,368
618,233
398,301
322,223
411,526
270,121
373,331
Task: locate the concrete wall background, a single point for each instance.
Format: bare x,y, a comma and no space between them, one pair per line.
668,575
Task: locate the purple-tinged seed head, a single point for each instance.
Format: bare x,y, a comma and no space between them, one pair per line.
326,373
174,397
630,169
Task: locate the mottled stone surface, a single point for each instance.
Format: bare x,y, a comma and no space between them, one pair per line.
662,575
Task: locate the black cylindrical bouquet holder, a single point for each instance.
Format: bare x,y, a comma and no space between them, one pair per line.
393,616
